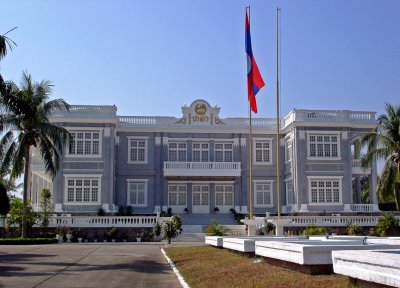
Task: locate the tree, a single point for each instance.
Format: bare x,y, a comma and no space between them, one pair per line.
19,213
46,207
387,225
5,44
26,124
4,200
383,142
169,230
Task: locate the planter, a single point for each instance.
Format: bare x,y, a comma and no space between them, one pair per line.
113,240
138,239
95,240
69,235
80,240
60,238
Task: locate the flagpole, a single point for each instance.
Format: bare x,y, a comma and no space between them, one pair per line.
278,161
251,153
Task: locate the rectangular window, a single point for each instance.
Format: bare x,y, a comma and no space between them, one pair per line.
137,152
200,195
177,151
224,195
83,190
289,192
325,190
137,193
177,194
84,143
323,146
200,152
262,151
223,152
263,194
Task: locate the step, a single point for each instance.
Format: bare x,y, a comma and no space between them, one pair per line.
190,237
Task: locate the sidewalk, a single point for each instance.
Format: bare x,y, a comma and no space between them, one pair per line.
86,265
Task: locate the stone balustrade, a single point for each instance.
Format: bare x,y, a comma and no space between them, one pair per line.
105,221
363,207
324,221
202,168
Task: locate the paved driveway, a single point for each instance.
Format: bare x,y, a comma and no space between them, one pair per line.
85,265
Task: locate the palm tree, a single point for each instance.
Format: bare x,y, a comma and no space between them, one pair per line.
4,43
25,125
384,143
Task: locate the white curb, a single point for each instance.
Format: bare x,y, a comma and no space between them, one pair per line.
180,278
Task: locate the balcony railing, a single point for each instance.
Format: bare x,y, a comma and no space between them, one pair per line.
202,169
363,207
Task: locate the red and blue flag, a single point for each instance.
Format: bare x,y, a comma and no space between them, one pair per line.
254,79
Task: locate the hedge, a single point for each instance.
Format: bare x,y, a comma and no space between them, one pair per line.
27,241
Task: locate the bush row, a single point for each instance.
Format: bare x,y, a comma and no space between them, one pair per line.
27,241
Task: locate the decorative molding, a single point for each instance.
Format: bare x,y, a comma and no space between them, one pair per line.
243,142
181,121
107,132
165,140
157,140
235,141
345,135
116,140
219,121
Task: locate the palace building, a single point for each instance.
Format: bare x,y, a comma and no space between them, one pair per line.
200,161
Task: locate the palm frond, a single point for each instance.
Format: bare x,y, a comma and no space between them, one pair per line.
56,105
50,156
6,42
18,159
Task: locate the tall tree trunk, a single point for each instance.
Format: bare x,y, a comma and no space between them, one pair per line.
25,192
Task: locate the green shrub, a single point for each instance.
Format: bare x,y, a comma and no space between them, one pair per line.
217,230
178,222
387,225
353,230
169,230
27,241
312,230
157,229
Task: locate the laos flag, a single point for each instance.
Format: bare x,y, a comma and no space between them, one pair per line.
254,79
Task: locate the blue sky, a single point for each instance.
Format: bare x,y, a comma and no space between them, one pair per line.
152,57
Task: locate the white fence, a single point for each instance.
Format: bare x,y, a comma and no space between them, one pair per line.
363,207
103,221
202,168
326,221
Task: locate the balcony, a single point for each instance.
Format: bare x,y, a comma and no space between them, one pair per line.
357,169
232,169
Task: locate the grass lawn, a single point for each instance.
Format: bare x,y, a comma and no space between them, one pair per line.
205,266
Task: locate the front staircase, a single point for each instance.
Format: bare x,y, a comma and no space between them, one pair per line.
193,225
